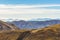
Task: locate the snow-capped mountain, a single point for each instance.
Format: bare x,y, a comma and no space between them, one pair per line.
41,19
34,19
9,20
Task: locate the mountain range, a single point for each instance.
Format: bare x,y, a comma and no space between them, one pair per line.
33,19
9,31
34,24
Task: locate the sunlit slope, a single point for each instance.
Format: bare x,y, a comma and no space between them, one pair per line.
11,32
48,33
8,31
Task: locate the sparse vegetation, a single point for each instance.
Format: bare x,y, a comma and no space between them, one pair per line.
47,33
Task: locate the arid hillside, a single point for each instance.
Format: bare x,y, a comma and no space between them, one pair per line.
8,31
11,32
48,33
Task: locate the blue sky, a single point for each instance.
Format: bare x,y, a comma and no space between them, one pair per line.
29,9
29,1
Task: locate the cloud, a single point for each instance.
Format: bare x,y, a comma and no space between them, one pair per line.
29,11
27,6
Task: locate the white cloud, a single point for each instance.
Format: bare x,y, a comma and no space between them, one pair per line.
28,11
27,6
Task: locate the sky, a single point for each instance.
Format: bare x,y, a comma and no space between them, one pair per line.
29,9
29,1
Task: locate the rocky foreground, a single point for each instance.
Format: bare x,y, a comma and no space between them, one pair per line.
10,32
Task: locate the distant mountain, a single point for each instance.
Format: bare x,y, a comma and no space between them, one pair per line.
34,19
41,19
9,20
34,24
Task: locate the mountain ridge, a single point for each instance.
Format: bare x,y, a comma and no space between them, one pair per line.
51,32
34,24
48,33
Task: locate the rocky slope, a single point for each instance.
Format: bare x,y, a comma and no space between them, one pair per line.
11,32
48,33
8,31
